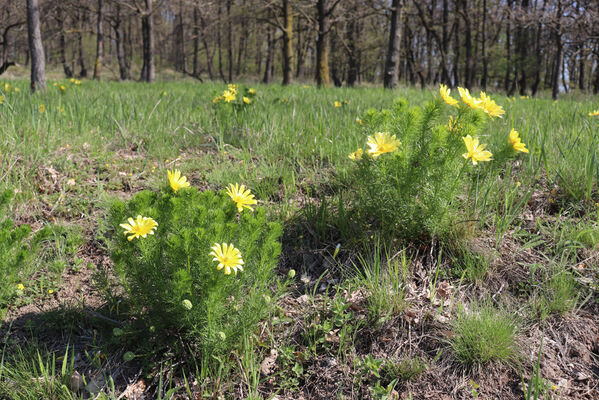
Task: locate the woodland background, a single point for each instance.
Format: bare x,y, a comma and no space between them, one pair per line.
518,46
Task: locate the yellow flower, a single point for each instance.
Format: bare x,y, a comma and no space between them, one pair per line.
228,257
444,91
356,155
20,286
63,88
6,87
1,99
232,88
468,99
17,90
382,143
141,226
337,104
242,196
476,151
516,142
176,180
42,108
77,82
72,80
594,113
217,99
55,84
490,107
252,91
359,121
228,96
50,291
246,100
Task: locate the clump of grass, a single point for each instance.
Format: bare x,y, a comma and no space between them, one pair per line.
404,370
384,278
557,295
482,335
469,264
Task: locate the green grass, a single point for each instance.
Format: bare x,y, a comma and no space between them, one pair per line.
484,335
102,140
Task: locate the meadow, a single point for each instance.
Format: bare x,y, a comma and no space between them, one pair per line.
413,276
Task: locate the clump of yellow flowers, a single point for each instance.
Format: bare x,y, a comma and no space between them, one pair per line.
228,256
232,95
484,102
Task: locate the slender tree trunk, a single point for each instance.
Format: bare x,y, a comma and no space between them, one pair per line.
147,29
581,67
219,43
322,45
99,40
82,67
120,48
352,49
196,40
299,56
391,75
207,49
483,81
180,41
243,39
269,55
558,53
508,48
522,47
467,44
36,49
287,42
538,59
229,41
456,62
62,44
445,43
596,78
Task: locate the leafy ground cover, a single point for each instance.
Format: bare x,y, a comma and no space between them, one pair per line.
500,303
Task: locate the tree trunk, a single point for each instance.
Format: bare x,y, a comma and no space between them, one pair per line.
322,45
82,67
219,44
558,54
120,48
267,78
196,40
537,67
508,48
299,66
581,67
287,42
483,81
229,41
352,49
445,43
391,74
522,47
456,61
179,36
99,41
467,44
148,73
36,49
62,44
